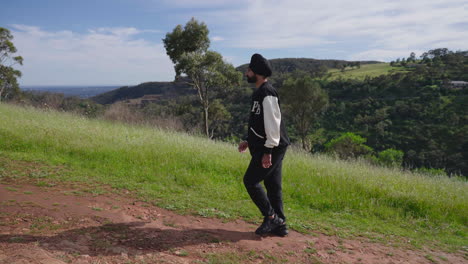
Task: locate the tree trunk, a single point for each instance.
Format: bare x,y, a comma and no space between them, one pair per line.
203,96
303,139
205,117
303,129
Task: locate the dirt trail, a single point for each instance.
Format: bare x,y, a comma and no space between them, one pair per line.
64,224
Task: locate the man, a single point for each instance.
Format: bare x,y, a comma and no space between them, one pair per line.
267,142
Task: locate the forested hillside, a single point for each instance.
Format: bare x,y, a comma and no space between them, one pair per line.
311,66
176,88
421,113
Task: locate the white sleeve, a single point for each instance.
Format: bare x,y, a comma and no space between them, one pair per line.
272,120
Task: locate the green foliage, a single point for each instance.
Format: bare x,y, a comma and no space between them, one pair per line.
304,100
417,112
390,158
317,139
348,146
206,70
8,75
192,38
220,117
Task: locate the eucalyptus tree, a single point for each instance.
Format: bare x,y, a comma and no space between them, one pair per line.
206,70
304,100
8,75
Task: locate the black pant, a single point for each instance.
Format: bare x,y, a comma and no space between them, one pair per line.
272,202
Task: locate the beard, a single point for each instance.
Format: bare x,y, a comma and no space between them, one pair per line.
252,79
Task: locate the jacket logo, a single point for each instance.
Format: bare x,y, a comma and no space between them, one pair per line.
256,108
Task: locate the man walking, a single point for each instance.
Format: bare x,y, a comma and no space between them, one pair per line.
267,142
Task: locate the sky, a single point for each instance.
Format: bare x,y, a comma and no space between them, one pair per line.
119,42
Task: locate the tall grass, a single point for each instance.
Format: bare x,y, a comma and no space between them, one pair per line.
200,176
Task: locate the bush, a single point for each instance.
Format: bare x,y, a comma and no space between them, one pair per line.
123,113
348,145
59,102
390,158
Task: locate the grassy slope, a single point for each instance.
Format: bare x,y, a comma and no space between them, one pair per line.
195,175
371,70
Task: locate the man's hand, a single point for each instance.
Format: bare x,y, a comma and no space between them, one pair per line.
266,161
243,146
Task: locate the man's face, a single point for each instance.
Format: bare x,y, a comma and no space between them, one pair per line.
251,77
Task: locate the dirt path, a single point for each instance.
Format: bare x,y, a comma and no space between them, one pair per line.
66,224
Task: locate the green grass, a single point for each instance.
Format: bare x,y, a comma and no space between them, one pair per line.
198,176
225,258
371,70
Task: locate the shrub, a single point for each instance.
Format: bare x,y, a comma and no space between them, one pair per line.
348,145
121,112
390,158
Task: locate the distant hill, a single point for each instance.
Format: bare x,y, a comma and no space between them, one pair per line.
180,87
286,65
164,89
80,91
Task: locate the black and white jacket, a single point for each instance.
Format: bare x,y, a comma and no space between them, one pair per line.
266,129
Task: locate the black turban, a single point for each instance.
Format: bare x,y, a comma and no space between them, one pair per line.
260,65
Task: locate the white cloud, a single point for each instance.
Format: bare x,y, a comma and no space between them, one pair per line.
382,54
389,26
217,38
100,56
122,31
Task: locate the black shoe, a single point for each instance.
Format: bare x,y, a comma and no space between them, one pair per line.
268,225
281,230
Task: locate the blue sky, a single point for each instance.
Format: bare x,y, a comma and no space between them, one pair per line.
118,42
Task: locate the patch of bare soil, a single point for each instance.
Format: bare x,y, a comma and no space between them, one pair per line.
67,224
